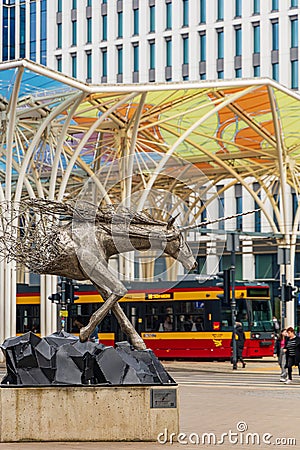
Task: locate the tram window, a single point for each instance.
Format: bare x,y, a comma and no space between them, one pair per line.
176,316
28,318
242,313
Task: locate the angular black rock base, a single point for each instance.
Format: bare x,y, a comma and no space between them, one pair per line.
61,359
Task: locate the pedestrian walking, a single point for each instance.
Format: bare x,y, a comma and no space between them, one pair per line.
281,355
292,351
240,342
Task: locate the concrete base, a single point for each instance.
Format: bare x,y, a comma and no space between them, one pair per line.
87,413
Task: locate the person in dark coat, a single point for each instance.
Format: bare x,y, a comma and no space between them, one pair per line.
240,342
292,350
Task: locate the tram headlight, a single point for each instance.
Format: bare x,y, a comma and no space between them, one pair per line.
255,335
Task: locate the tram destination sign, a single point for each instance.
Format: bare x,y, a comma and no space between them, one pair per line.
158,296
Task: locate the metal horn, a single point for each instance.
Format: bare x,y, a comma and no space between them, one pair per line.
171,221
206,222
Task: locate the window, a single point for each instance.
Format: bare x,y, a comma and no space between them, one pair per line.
220,44
59,5
294,33
74,32
275,36
168,16
5,43
104,28
266,266
238,42
169,53
135,21
221,204
275,5
120,60
33,32
185,5
104,63
238,8
59,63
120,24
220,10
256,39
12,24
238,73
59,35
43,37
89,30
203,76
256,71
135,57
89,3
152,18
185,45
152,55
239,210
89,66
275,71
294,3
294,74
257,214
74,4
22,30
202,11
203,47
74,65
256,6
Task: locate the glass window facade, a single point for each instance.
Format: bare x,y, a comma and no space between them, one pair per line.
202,11
152,55
32,48
104,63
136,21
294,3
89,66
5,42
220,13
120,24
238,8
185,45
89,30
135,58
152,18
168,16
275,36
74,32
185,13
294,74
59,63
294,33
59,5
256,39
74,4
256,6
275,71
120,61
104,28
203,47
43,38
59,35
220,44
256,71
275,5
238,73
74,65
22,50
238,41
169,53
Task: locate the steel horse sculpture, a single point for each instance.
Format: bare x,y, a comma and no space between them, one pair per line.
76,240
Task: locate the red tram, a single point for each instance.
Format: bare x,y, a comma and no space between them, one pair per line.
183,321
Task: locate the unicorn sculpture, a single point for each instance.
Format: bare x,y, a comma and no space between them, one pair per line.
76,240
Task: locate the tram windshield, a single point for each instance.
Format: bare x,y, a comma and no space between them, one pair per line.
260,313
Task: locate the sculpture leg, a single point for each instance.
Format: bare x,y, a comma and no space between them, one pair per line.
97,317
128,328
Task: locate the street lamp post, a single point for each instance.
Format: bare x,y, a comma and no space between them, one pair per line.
232,245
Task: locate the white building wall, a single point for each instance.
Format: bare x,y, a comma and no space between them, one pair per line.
230,21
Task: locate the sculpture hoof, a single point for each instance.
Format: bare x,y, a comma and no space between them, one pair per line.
139,345
84,334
